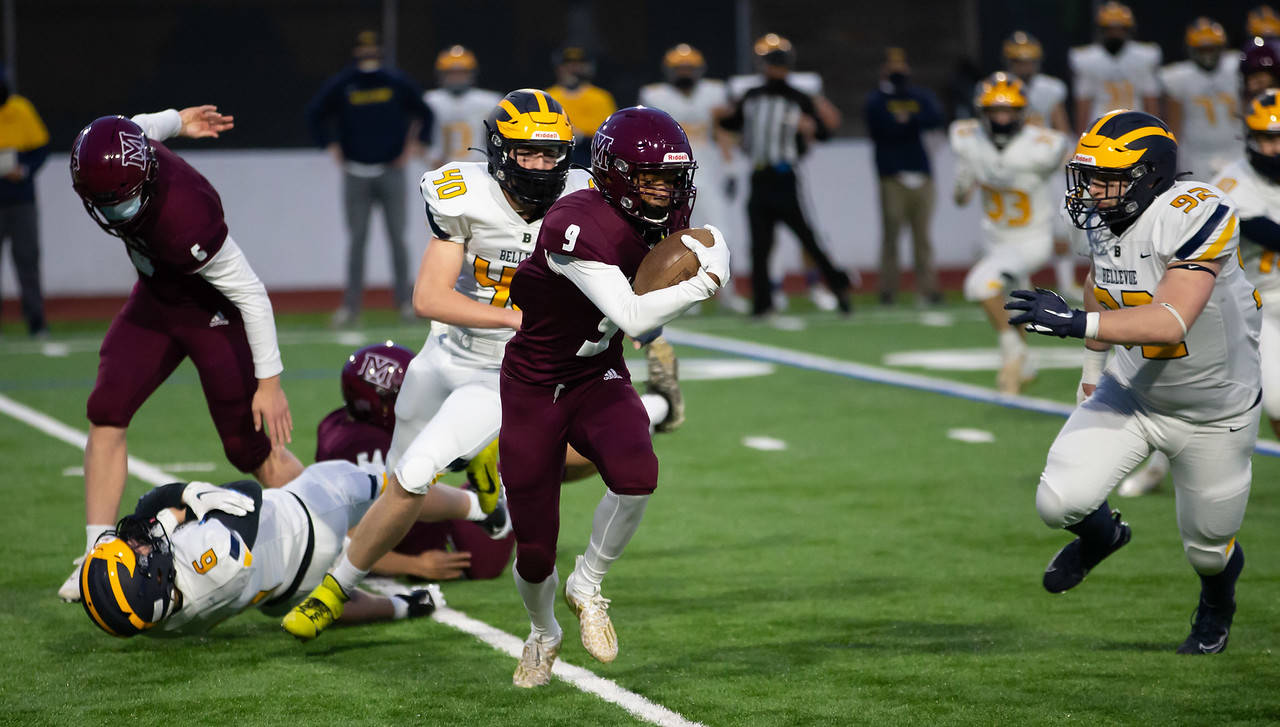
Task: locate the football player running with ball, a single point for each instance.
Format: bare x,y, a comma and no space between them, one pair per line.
196,297
1167,286
1012,163
564,381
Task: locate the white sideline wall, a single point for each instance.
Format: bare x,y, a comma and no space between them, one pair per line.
284,208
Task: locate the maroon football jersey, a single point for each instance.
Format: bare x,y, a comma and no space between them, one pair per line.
564,338
180,229
341,437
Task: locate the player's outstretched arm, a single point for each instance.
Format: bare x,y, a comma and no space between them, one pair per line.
199,122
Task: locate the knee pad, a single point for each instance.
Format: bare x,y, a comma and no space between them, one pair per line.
534,562
105,410
1053,510
247,452
1206,559
980,284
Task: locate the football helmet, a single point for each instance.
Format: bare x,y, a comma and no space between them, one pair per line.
998,91
1259,66
1130,147
683,66
633,149
371,380
1205,41
1022,46
112,168
1114,15
456,68
1262,119
1263,22
127,581
529,118
774,50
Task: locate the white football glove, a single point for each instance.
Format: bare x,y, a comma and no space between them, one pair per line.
202,497
713,260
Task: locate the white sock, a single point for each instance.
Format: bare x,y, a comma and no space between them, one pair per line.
540,602
1064,269
91,533
348,576
616,519
474,513
1011,344
400,608
657,408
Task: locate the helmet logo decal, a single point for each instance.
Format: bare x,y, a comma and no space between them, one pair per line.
675,156
603,143
133,150
1084,158
541,134
378,370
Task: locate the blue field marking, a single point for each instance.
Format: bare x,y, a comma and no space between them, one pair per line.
878,375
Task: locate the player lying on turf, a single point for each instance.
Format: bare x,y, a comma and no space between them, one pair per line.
196,297
563,377
1167,285
193,555
484,219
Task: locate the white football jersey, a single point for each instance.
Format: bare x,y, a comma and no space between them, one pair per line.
459,122
465,205
1214,372
1210,135
1117,81
220,576
1255,196
692,111
1018,196
1044,93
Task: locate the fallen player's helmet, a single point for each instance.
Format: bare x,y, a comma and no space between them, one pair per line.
371,380
127,581
529,118
1131,147
112,167
632,150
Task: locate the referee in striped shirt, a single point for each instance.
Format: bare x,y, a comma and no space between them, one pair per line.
777,122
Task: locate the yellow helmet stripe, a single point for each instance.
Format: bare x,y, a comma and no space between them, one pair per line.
509,107
1144,131
123,603
542,100
1093,131
88,601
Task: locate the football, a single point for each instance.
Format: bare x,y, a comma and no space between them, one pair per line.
670,262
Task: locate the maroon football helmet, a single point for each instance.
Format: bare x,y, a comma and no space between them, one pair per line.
642,152
1260,56
371,381
112,166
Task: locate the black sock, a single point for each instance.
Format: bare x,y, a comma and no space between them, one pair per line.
1219,590
1097,532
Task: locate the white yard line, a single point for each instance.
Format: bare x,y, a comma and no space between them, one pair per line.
580,678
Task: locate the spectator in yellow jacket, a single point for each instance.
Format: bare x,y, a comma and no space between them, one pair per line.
587,104
24,144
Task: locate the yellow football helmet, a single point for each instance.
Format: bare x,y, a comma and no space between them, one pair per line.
1130,147
1263,22
1262,119
127,583
1115,15
683,65
455,58
774,50
1204,33
1022,46
529,118
1001,91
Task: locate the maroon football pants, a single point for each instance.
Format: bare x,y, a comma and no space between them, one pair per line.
146,342
603,419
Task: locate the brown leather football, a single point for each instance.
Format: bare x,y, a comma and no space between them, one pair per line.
670,262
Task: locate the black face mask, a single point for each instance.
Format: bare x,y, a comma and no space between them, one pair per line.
684,83
1113,45
899,81
1002,134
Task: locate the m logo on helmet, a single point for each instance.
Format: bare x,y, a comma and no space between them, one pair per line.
133,150
602,145
378,370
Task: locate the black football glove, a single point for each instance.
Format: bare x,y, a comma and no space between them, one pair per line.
1044,311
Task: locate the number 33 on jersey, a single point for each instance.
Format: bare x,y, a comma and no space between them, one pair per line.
465,205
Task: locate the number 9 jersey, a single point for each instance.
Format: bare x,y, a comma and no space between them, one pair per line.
465,205
1214,372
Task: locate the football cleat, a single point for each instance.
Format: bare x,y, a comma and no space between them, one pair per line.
534,669
1210,627
483,474
664,380
1009,378
422,602
498,524
317,612
598,636
70,589
1068,569
823,299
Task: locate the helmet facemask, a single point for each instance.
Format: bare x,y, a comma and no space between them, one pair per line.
1264,163
1002,123
1090,210
535,188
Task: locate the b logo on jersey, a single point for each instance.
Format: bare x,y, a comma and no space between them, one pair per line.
133,150
378,370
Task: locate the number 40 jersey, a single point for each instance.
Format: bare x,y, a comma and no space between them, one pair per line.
1214,372
465,205
1018,200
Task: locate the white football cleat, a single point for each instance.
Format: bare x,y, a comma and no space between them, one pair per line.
70,589
823,299
598,636
1147,478
534,669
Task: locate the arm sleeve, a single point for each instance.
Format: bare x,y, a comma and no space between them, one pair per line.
1262,231
229,272
608,289
160,125
246,526
159,498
